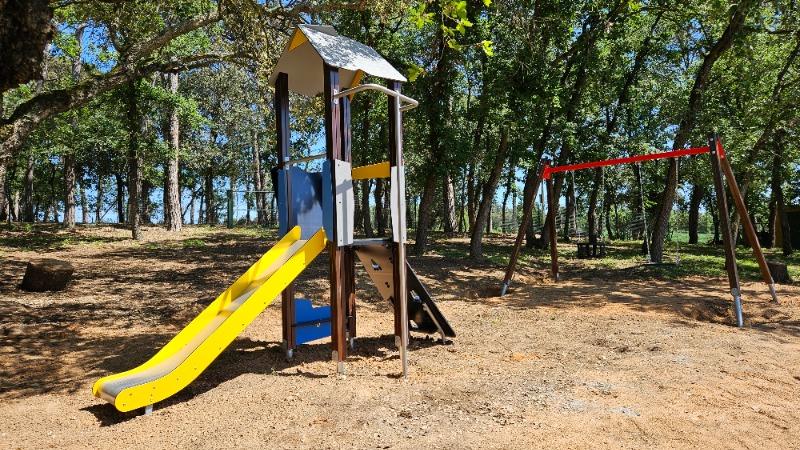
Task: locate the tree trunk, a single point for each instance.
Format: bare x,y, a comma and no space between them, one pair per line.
173,219
5,213
366,214
571,110
471,194
15,206
593,198
607,214
387,193
438,112
509,187
772,121
714,219
69,156
27,191
695,198
84,201
191,209
528,203
248,200
69,191
424,215
483,218
98,205
201,212
53,203
121,213
258,182
777,190
20,58
772,221
569,211
687,123
135,121
145,205
380,223
210,197
448,205
473,185
462,205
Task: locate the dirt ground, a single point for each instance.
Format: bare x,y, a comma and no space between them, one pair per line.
597,360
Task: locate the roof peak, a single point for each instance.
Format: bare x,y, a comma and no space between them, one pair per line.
311,46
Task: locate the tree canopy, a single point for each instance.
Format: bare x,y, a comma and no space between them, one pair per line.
145,111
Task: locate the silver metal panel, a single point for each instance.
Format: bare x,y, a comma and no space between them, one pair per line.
377,261
398,182
345,203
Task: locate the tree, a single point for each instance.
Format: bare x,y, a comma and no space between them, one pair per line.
172,198
688,119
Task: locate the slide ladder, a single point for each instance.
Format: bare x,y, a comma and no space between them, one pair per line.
189,353
423,314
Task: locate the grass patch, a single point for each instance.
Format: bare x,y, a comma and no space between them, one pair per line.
194,243
47,237
694,260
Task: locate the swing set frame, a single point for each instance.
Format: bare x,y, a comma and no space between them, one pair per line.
722,172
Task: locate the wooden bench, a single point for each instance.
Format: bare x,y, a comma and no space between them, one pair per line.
589,250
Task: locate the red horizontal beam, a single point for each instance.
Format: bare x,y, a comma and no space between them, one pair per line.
548,171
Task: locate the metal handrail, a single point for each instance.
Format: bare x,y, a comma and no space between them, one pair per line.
410,102
305,159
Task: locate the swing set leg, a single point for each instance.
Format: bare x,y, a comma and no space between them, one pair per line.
523,226
725,229
749,228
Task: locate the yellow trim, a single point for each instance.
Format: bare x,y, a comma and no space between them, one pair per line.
268,289
379,170
356,80
298,39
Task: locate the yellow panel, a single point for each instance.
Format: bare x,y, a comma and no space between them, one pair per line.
298,39
380,170
269,288
356,80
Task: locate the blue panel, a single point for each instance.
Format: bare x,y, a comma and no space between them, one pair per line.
306,193
327,199
311,323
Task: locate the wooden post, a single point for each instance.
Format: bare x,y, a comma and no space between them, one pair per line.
333,146
398,248
284,155
530,199
725,229
552,206
749,229
349,268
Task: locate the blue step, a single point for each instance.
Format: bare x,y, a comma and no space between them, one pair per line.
310,322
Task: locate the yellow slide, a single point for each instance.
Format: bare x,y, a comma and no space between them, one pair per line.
196,346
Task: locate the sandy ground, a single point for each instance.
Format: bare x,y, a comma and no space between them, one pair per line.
597,360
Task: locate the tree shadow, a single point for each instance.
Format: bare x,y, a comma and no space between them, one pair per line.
50,237
248,356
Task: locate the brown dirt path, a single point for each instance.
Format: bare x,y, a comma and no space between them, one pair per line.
595,362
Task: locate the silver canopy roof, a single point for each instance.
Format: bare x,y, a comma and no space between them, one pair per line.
312,45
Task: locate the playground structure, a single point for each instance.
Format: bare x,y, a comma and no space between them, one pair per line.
315,213
722,173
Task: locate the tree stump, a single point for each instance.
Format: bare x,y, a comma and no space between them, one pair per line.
780,274
47,275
